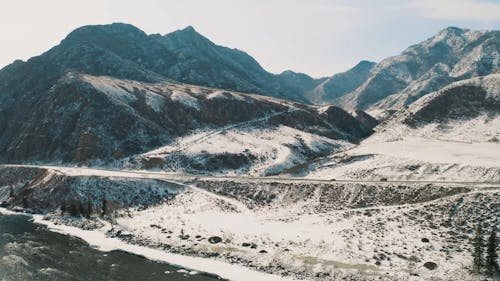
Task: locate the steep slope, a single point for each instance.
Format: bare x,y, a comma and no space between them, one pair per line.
340,84
303,81
453,54
366,119
257,149
468,110
201,62
124,51
83,118
452,134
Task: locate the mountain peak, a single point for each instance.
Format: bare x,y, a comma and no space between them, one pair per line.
89,32
188,29
364,64
187,35
453,30
187,32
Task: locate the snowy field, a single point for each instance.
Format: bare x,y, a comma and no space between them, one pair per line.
298,229
436,151
397,154
299,237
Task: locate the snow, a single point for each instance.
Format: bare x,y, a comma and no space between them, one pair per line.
298,231
479,129
224,95
154,101
297,236
458,149
185,99
274,149
114,88
99,239
124,91
426,154
436,151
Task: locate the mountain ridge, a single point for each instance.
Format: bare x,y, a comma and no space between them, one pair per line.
124,51
83,118
451,55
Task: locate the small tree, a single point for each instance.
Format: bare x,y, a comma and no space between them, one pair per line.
73,208
11,191
88,209
63,207
25,202
104,206
491,254
81,209
477,254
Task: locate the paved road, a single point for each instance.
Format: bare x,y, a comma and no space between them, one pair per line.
185,177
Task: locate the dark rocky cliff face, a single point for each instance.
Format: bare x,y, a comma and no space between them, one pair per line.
124,51
366,119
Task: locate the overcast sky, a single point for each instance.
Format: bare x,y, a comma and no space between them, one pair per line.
317,37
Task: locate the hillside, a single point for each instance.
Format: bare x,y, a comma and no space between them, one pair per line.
467,111
338,85
124,51
453,54
83,118
451,134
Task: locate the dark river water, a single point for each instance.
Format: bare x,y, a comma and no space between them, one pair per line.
30,252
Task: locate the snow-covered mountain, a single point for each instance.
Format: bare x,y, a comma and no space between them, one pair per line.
332,88
467,111
452,134
350,197
84,118
453,54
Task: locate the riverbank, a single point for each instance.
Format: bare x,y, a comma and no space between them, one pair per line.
304,230
98,239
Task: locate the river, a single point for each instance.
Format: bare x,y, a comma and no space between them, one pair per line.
31,252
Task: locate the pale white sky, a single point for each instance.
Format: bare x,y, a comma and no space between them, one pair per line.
317,37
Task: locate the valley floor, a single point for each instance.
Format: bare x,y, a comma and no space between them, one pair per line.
412,158
297,228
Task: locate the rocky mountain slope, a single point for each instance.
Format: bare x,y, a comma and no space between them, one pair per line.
338,85
259,149
453,54
124,51
83,118
467,111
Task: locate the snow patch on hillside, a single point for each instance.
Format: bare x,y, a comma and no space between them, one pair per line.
185,99
269,150
119,92
224,95
154,101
